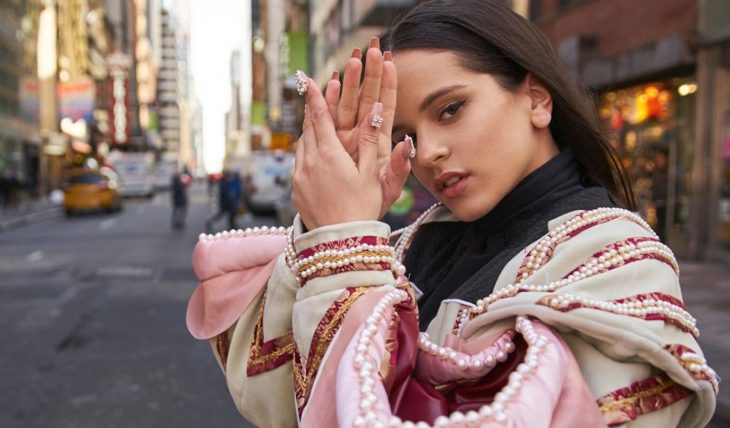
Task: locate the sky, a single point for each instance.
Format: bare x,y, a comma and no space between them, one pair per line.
217,28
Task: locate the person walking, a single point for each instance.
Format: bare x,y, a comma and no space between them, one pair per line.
224,203
179,201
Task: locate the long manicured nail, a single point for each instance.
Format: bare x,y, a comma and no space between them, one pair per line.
376,120
388,56
335,75
375,42
357,53
410,153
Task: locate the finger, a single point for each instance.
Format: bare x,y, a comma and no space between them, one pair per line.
388,92
371,83
332,95
320,119
368,141
309,138
397,174
347,111
299,156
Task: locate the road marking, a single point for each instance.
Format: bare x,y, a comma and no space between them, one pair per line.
34,256
107,224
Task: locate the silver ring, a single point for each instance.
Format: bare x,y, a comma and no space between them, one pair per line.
376,121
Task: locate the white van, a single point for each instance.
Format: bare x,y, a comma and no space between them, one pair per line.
136,172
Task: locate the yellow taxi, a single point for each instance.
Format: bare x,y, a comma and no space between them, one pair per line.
92,190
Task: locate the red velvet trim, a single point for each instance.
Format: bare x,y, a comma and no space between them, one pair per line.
645,396
619,244
265,356
342,244
375,266
653,316
677,350
323,335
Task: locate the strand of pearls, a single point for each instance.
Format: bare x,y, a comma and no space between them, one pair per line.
343,254
698,365
289,251
407,232
638,309
488,358
541,253
341,261
615,258
233,233
368,376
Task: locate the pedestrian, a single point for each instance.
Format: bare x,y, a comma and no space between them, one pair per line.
179,201
224,203
530,295
234,189
4,191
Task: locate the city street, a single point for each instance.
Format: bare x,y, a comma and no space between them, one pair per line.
94,311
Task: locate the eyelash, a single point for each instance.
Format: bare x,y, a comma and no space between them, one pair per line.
455,105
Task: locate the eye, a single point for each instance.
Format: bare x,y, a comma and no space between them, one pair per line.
450,110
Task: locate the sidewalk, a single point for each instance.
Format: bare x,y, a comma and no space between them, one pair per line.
29,212
706,292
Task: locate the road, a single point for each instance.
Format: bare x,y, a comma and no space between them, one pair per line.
94,313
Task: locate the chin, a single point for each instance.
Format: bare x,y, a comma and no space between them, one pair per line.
468,213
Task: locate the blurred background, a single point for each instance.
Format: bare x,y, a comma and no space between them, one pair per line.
128,127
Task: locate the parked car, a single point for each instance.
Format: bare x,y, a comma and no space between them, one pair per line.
92,190
267,180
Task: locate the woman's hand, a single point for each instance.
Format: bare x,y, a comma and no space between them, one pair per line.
329,187
356,101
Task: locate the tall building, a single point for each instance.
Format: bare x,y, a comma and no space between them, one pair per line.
168,87
660,90
20,138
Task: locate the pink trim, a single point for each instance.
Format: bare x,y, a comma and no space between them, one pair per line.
216,257
217,303
320,410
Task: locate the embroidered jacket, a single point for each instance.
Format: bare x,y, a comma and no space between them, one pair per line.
585,327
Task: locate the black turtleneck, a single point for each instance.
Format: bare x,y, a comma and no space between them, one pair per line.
463,260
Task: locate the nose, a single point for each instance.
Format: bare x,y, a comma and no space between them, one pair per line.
431,149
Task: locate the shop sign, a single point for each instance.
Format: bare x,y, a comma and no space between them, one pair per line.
76,99
120,107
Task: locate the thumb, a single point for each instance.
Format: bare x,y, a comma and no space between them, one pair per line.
368,140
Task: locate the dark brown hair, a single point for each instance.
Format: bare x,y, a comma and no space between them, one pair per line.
490,38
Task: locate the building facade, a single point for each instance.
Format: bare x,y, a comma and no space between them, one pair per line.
647,65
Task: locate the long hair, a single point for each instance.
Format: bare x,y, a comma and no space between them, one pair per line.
490,38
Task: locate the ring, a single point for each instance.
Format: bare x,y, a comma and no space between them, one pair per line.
302,83
412,150
376,121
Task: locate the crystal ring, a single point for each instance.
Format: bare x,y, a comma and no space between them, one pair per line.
376,121
302,82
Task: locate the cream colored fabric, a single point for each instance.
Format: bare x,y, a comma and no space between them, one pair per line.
612,350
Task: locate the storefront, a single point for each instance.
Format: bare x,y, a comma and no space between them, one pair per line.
653,128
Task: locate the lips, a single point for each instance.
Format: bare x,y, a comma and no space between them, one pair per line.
448,182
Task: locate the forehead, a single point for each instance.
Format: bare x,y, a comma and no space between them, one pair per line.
428,65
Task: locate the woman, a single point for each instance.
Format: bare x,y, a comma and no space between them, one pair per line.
542,302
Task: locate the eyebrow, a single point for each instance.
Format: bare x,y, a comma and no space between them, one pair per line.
433,96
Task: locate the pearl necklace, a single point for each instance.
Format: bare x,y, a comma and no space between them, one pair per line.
368,375
406,233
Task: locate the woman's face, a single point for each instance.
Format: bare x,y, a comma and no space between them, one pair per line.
475,141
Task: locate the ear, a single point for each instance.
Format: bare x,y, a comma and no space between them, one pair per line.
541,108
